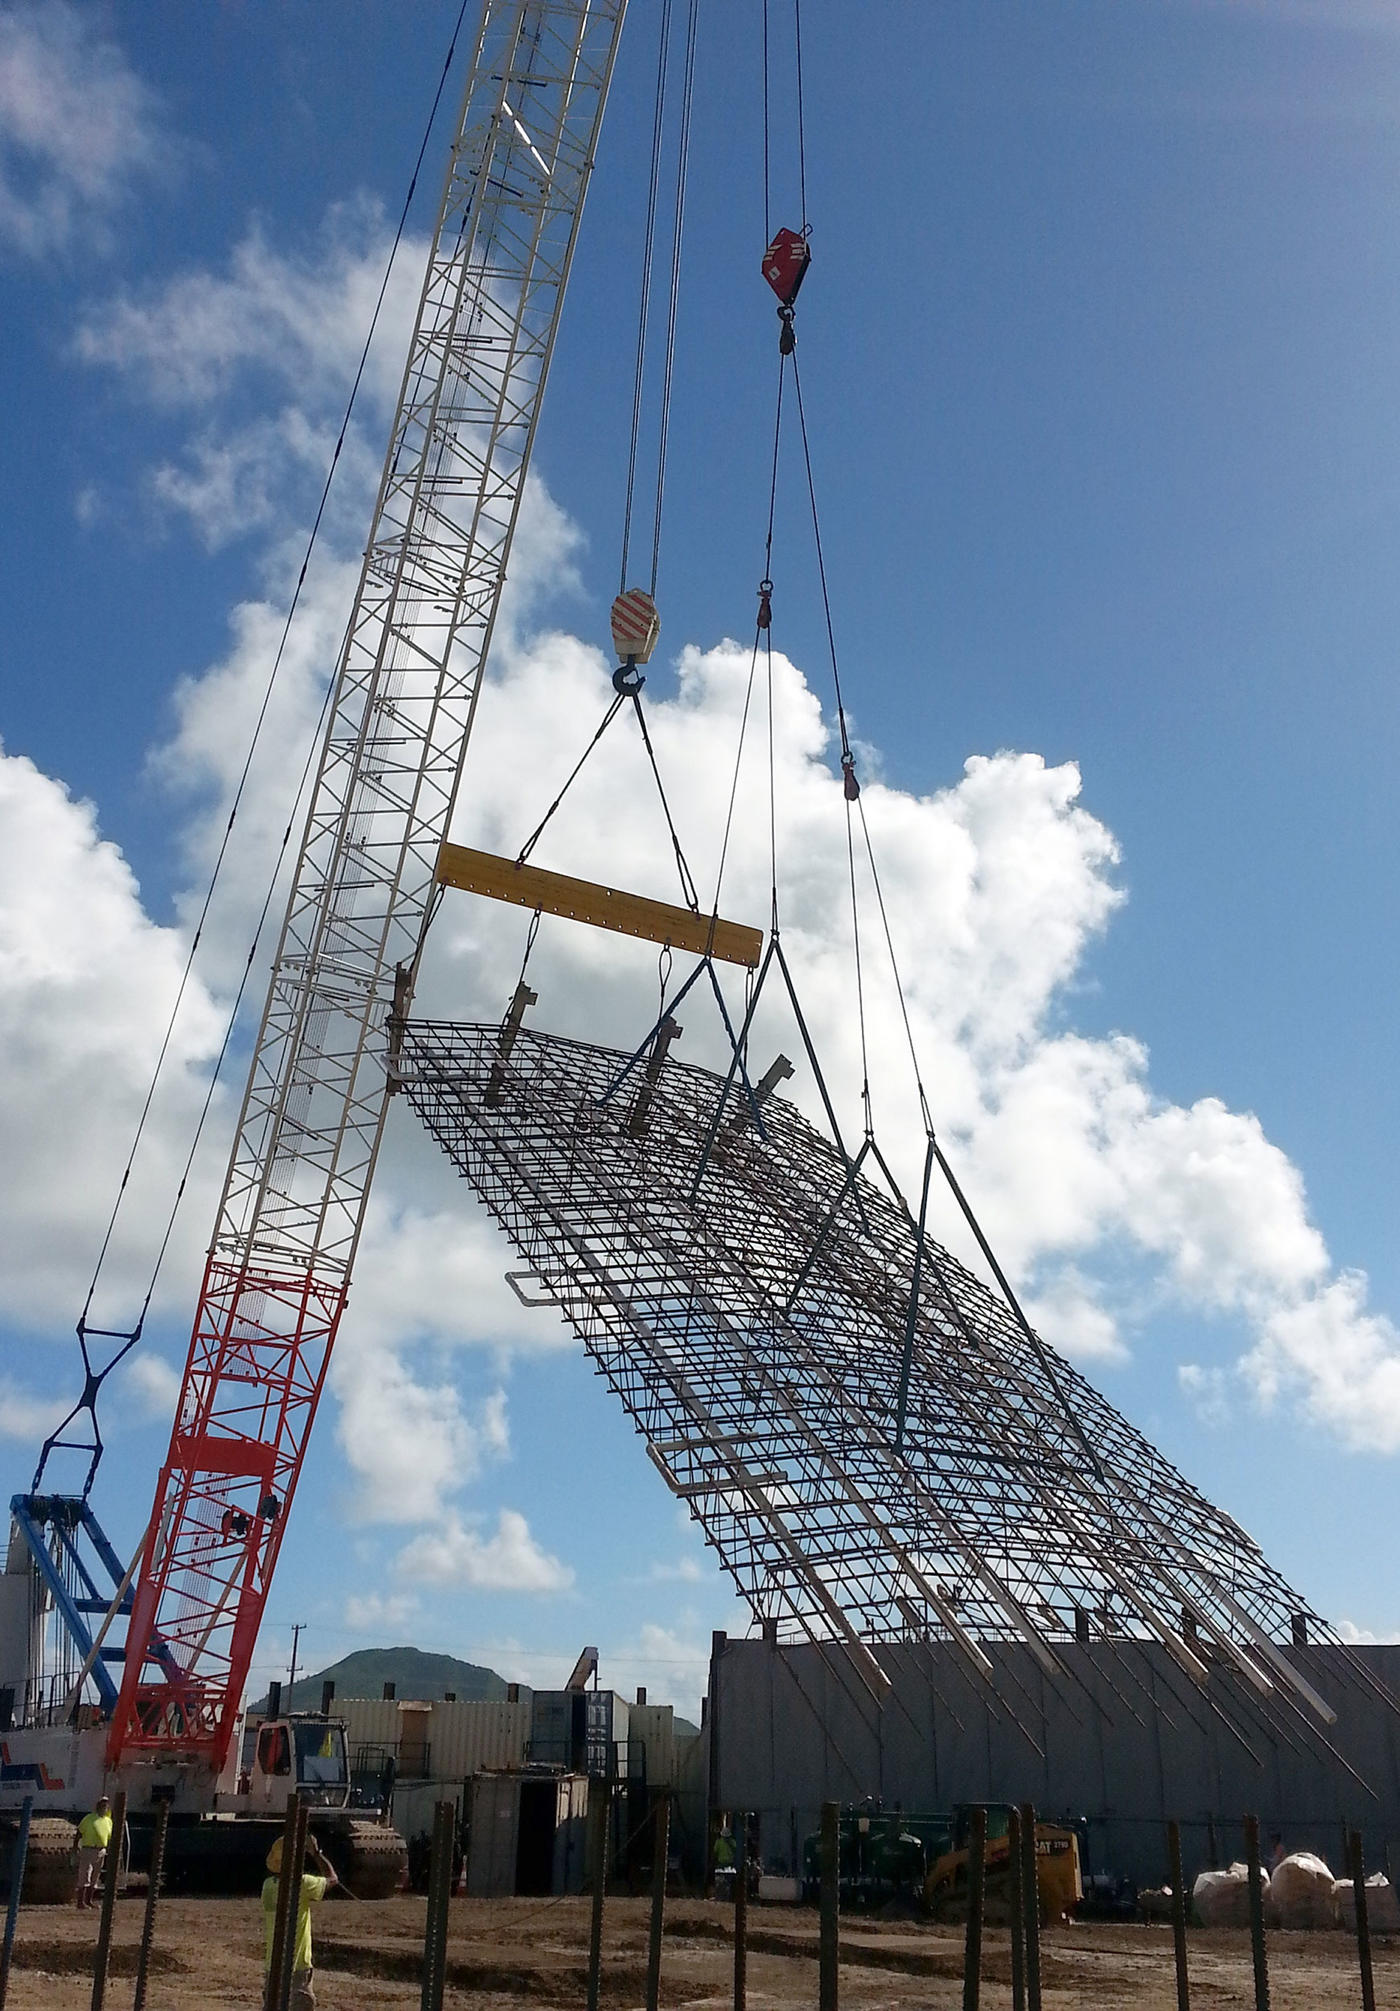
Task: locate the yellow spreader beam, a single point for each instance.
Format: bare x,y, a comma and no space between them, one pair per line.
603,907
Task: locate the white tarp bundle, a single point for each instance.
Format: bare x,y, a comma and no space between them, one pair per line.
1382,1904
1221,1898
1300,1892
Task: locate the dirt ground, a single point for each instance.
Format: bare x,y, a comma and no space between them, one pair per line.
532,1952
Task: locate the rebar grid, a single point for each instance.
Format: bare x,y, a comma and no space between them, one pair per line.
754,1327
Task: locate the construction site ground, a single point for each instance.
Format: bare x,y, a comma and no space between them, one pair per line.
534,1952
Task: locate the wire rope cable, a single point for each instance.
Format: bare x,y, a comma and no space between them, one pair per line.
767,171
924,1111
692,898
644,306
608,717
850,787
851,792
801,114
763,627
259,723
673,301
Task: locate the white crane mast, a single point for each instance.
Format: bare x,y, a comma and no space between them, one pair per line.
403,701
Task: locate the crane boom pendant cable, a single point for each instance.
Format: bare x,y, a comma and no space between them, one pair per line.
129,1337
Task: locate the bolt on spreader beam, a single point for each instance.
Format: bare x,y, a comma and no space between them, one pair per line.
756,1327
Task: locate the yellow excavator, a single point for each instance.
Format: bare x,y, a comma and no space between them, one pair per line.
1057,1868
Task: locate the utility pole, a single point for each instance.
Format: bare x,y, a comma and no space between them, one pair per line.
292,1672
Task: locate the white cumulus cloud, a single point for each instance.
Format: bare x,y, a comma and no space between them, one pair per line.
1338,1359
87,981
458,1555
411,1443
262,357
77,127
380,1613
24,1416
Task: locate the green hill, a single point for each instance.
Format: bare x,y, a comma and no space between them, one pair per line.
412,1672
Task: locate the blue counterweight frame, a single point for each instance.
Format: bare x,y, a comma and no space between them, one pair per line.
70,1517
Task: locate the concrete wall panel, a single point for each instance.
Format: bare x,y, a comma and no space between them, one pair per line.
1125,1739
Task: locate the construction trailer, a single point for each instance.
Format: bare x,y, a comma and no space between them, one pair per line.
789,1729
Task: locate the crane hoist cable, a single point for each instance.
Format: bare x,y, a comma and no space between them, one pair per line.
668,345
800,120
673,300
663,58
638,607
785,265
763,637
94,1378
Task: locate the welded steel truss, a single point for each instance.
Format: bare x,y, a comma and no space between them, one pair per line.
400,713
756,1324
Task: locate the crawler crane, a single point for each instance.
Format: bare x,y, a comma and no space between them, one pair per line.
134,1678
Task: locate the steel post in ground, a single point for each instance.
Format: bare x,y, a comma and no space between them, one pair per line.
1016,1909
1175,1877
976,1894
1256,1913
829,1948
660,1851
710,1712
439,1893
111,1873
283,1999
741,1918
600,1827
1363,1923
1030,1906
279,1918
19,1856
148,1924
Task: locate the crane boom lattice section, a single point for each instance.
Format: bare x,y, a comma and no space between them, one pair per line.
755,1329
402,706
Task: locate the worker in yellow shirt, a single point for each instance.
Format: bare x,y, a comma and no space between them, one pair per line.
94,1835
315,1884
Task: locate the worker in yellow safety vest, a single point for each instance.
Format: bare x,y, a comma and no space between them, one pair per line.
314,1887
94,1835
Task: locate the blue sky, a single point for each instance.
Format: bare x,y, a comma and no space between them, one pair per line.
1099,344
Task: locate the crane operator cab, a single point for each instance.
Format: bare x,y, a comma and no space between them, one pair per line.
304,1751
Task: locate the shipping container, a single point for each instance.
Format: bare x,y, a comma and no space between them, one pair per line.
436,1739
526,1834
584,1731
652,1736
